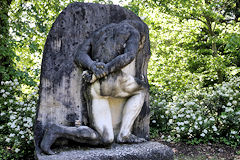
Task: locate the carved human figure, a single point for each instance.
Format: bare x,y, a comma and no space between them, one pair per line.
108,56
107,53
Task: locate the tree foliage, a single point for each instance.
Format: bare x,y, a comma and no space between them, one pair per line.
195,58
214,30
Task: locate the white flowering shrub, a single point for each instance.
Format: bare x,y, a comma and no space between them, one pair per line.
205,115
18,109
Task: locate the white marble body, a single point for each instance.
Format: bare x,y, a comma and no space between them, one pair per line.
113,116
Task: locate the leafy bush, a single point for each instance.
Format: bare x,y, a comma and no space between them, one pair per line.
18,108
199,115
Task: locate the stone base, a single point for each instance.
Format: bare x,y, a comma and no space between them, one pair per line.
141,151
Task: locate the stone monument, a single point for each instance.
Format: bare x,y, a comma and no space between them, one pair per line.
94,87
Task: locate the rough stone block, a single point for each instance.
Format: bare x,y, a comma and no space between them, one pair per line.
142,151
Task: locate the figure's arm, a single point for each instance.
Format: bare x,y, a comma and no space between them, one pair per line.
82,59
129,54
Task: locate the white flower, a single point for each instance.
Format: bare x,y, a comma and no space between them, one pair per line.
4,95
182,128
212,119
12,135
2,113
186,122
234,102
229,104
5,103
17,129
214,128
21,132
238,113
205,121
15,80
205,131
153,121
29,119
2,90
7,82
10,101
233,132
143,17
200,122
202,135
8,139
190,131
170,121
189,104
12,117
188,116
177,128
33,109
2,83
193,116
17,150
199,118
174,117
181,115
22,136
188,111
196,127
13,125
228,109
7,93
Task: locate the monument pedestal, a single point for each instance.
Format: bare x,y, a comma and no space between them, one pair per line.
141,151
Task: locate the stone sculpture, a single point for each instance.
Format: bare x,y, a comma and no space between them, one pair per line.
108,54
94,86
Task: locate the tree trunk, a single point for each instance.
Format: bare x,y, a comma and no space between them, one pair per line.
5,59
214,48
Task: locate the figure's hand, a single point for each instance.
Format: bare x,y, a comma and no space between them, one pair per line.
99,69
87,77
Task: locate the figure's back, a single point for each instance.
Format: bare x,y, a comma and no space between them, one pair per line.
109,42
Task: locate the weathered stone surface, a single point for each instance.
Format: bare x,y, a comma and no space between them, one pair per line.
61,93
142,151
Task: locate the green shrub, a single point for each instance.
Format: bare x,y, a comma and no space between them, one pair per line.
18,108
206,115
